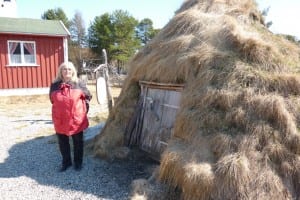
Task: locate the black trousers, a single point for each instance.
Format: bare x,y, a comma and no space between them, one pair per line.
65,149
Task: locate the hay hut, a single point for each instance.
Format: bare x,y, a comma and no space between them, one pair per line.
236,131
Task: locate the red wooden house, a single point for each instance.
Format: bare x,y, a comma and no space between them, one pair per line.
30,52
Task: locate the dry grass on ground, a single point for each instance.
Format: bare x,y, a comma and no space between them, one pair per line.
39,106
34,102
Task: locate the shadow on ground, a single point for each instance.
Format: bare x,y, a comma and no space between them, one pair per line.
39,159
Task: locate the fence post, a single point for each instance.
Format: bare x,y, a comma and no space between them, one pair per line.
110,99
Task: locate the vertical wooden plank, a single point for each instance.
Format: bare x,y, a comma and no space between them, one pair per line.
42,56
29,77
170,108
44,67
10,81
49,67
44,51
19,77
148,120
34,73
48,64
14,77
3,62
24,77
152,120
53,62
50,53
3,73
58,58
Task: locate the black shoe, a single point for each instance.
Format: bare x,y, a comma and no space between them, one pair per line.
78,167
65,167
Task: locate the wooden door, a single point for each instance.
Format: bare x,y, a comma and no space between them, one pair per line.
159,111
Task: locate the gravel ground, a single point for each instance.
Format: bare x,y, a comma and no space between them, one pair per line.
30,160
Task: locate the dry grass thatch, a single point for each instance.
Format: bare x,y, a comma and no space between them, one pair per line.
236,134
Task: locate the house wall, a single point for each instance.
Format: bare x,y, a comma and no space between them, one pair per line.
49,55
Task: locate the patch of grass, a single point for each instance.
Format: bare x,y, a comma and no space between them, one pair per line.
21,126
39,137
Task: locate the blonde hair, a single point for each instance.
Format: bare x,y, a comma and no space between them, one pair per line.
63,65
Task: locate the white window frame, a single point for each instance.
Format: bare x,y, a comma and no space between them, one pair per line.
23,61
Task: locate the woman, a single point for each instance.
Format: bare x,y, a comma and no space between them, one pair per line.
70,104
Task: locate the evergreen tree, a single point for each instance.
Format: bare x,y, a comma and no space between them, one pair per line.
56,14
145,31
116,33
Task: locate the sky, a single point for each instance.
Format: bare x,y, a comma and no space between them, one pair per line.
159,11
283,13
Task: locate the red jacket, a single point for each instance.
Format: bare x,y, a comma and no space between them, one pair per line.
70,104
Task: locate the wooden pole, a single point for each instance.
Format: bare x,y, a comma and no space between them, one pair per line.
110,99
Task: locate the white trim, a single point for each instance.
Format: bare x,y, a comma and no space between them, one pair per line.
23,91
22,63
34,34
65,44
64,27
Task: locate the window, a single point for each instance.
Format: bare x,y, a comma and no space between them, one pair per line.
21,53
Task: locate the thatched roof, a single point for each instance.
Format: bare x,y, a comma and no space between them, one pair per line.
237,130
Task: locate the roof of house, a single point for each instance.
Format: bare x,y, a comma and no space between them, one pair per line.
33,26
